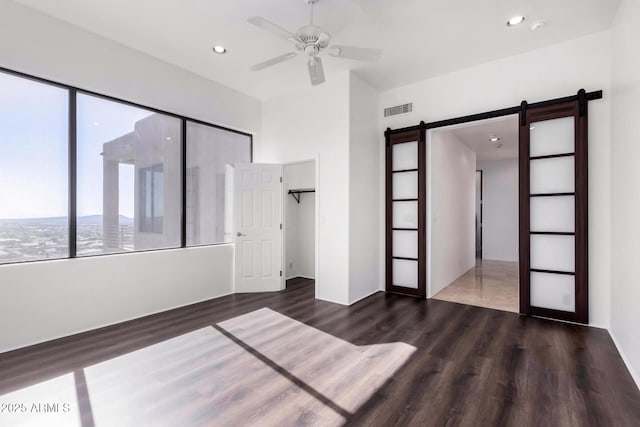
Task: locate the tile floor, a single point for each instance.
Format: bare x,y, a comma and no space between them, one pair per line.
490,284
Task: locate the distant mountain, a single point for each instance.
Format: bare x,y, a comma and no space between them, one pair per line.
88,219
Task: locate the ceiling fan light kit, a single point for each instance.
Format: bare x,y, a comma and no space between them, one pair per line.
311,40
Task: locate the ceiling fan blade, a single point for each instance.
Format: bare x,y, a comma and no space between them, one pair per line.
273,61
316,72
272,28
358,53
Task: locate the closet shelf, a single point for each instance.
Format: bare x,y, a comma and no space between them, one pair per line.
296,192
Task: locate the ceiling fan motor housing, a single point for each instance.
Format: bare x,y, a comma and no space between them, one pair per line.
311,50
311,39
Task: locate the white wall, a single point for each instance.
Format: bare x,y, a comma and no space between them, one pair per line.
364,193
299,221
547,73
57,298
500,209
625,196
314,124
51,299
337,124
37,44
451,179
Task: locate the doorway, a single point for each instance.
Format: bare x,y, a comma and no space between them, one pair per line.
299,187
473,213
552,206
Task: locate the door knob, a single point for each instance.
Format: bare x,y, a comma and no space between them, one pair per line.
239,234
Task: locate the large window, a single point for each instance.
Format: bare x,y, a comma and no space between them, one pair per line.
34,223
120,211
83,174
209,151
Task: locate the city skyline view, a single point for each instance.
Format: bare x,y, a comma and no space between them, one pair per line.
33,239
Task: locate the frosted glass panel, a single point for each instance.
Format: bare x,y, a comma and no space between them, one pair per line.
405,244
552,175
554,291
405,273
404,156
553,253
405,185
405,215
553,213
552,137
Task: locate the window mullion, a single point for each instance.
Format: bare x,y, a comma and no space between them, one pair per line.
73,145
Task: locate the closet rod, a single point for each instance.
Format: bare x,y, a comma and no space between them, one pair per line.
299,191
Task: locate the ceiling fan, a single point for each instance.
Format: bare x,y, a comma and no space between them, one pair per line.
311,40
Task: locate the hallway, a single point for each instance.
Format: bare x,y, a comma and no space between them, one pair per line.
490,284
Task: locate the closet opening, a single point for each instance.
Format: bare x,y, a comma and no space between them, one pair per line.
299,224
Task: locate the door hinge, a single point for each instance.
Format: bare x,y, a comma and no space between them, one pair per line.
280,179
280,226
280,273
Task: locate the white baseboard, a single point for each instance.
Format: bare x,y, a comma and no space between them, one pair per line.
633,373
299,276
330,300
366,296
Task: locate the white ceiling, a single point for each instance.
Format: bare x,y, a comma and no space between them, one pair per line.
420,38
476,135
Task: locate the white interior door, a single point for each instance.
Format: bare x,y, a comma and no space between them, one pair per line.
257,227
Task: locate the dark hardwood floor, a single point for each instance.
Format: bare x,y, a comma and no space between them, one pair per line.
287,359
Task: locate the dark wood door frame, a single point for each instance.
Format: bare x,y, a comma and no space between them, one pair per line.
580,102
577,109
479,217
411,136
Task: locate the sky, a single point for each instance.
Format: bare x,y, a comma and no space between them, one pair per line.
100,121
34,151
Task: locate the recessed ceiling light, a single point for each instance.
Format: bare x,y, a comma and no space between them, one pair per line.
168,138
494,139
96,123
219,49
538,25
515,21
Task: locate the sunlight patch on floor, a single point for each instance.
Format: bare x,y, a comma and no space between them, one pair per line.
50,403
261,368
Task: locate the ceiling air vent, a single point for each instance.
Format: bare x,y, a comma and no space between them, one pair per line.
398,109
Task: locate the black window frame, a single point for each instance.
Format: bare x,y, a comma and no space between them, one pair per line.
73,92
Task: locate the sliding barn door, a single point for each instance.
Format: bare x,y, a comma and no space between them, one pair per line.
553,211
406,212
